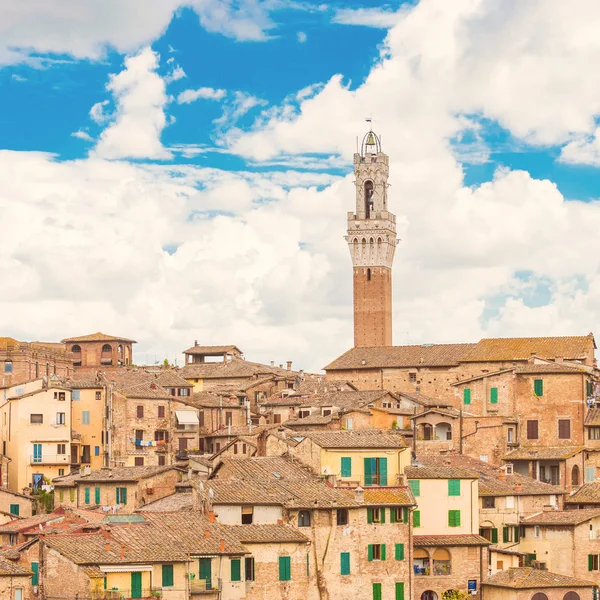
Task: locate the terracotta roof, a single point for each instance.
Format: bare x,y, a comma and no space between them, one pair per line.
483,376
439,472
236,367
509,349
10,568
288,400
173,503
114,474
362,438
561,517
241,430
588,493
315,419
261,534
528,578
466,539
543,453
4,490
490,483
450,412
97,337
170,378
549,368
426,355
213,400
346,399
212,350
35,521
319,384
262,467
592,418
424,400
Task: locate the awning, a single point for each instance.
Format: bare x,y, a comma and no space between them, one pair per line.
124,568
187,417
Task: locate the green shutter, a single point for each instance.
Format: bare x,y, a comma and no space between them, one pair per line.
399,551
417,518
382,515
370,552
167,575
590,562
457,518
467,395
399,590
415,486
494,395
481,532
516,534
307,564
14,509
36,570
97,495
538,387
345,563
383,557
392,514
284,568
72,494
454,518
405,514
368,462
236,569
376,591
453,487
369,515
505,534
494,535
383,471
87,495
346,466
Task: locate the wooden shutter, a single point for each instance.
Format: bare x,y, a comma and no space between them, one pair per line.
376,591
383,471
284,568
236,570
505,534
564,429
399,551
494,535
405,514
532,430
14,509
345,563
467,395
382,515
382,551
370,552
399,590
368,471
453,487
590,562
369,515
538,387
346,466
393,514
417,518
167,575
516,536
87,495
35,568
97,495
494,395
415,486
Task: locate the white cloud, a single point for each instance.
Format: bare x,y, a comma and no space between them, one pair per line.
175,74
301,36
139,119
18,78
83,135
97,112
241,104
369,17
585,150
206,93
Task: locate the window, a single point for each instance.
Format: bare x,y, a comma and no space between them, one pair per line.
454,518
75,395
415,486
235,449
228,418
538,387
590,474
98,395
161,435
87,495
593,562
162,460
564,429
571,596
304,518
139,461
97,495
509,501
139,412
375,515
285,573
399,551
375,470
249,568
61,472
236,569
60,418
342,516
398,514
346,466
247,515
243,448
489,502
345,563
14,509
483,457
85,417
36,419
494,395
121,496
36,570
183,392
510,435
85,454
96,450
276,419
377,591
201,418
349,424
467,395
161,412
593,433
532,430
537,532
453,487
167,576
8,367
61,448
399,590
412,377
376,552
489,533
139,434
539,596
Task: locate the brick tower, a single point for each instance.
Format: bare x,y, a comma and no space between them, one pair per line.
372,242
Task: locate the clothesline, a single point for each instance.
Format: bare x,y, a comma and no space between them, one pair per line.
140,443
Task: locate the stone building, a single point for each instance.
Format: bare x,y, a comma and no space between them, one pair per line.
24,361
13,504
15,581
372,242
99,350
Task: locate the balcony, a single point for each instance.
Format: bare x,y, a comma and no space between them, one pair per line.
75,437
124,594
202,586
50,459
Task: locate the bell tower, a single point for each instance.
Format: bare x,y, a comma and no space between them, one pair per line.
372,242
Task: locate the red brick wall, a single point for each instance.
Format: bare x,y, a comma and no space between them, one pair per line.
372,306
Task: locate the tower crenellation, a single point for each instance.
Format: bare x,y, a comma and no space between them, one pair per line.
372,242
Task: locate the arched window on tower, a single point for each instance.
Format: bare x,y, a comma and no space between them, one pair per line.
368,198
368,274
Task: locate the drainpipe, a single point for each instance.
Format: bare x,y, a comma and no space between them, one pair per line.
460,430
410,553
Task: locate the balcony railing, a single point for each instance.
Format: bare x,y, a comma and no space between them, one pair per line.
202,586
126,594
50,459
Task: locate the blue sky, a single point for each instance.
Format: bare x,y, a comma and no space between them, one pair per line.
173,170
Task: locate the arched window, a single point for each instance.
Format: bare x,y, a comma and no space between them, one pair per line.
8,367
441,562
342,516
429,595
427,431
571,596
575,482
443,431
539,596
368,198
421,562
106,348
368,274
76,349
304,518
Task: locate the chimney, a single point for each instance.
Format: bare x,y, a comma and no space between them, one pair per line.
502,475
196,504
518,488
289,365
153,386
195,342
122,552
272,363
359,495
107,546
222,545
